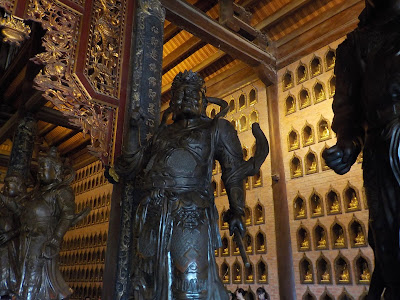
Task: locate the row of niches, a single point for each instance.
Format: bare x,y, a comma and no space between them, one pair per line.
341,273
85,241
333,203
237,274
247,153
323,133
303,71
255,216
253,182
251,295
96,202
338,237
89,171
304,99
83,257
258,243
89,184
95,217
244,122
243,101
326,295
79,274
85,290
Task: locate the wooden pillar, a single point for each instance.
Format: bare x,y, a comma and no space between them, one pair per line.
284,252
145,86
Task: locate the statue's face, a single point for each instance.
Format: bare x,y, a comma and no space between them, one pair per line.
187,102
11,188
46,173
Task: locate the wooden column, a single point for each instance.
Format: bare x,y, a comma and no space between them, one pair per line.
284,252
145,86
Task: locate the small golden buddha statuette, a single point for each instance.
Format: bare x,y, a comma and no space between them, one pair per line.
365,276
335,205
325,277
359,239
345,275
308,277
353,204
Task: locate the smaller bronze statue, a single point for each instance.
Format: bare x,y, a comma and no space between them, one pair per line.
45,214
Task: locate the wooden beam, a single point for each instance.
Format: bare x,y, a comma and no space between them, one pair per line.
281,13
56,117
191,44
170,31
199,24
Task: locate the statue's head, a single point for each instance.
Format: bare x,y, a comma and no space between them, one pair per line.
14,185
51,168
188,99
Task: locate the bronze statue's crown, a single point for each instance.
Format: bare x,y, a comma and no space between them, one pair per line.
190,78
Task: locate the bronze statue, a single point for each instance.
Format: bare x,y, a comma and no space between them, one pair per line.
45,215
176,224
367,109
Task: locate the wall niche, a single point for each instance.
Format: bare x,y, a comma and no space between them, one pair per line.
304,97
316,66
293,140
333,204
316,206
299,207
290,104
338,236
287,80
301,73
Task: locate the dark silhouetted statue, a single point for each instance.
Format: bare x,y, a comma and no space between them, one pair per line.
176,226
367,110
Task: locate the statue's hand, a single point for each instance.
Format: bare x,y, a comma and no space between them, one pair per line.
235,222
6,236
51,248
342,156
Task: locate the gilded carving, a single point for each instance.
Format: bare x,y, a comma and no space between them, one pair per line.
8,5
14,30
57,80
103,62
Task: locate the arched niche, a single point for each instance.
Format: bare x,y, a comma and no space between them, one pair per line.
311,162
214,187
324,130
333,204
224,224
290,104
301,73
332,86
330,59
319,92
259,213
248,243
362,269
253,96
324,166
225,246
345,296
296,167
351,198
212,113
262,271
237,272
249,274
304,98
303,239
257,179
299,207
287,80
316,205
293,140
324,270
320,237
225,272
358,236
308,295
243,123
222,188
232,105
235,247
315,66
253,117
342,270
261,242
326,295
251,295
242,101
308,135
338,235
306,271
247,216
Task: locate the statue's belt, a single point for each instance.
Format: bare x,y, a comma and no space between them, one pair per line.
169,182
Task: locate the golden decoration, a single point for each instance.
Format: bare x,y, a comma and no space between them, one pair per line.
14,30
57,79
8,5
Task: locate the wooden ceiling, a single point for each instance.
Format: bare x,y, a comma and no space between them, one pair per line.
293,29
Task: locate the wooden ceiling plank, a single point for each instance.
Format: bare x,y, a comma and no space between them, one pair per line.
199,24
170,31
176,55
317,21
280,14
46,129
56,117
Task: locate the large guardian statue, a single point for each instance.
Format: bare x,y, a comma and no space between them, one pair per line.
367,111
176,226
